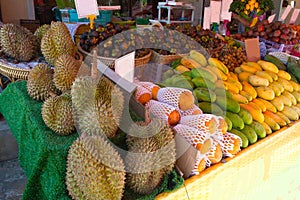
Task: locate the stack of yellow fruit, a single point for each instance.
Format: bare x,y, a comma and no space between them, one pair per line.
251,6
255,101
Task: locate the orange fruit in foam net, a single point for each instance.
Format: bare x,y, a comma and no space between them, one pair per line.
164,111
180,98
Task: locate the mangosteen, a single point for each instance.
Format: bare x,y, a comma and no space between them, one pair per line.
277,33
84,36
94,33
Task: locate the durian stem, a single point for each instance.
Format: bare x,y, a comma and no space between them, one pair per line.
147,116
94,71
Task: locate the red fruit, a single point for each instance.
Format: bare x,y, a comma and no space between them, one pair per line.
277,33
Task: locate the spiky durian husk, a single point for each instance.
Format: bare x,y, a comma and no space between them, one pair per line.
95,170
57,114
39,33
40,83
56,42
109,103
85,114
153,146
65,71
18,42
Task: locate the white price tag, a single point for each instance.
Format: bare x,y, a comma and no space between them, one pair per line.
206,21
294,16
225,14
124,66
271,18
85,8
215,11
285,13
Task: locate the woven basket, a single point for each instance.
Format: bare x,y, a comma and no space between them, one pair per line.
165,59
269,169
12,72
15,73
111,61
143,60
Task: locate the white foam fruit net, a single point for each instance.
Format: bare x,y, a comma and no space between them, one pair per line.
206,123
140,91
222,125
171,95
229,145
195,110
213,154
148,85
201,141
160,110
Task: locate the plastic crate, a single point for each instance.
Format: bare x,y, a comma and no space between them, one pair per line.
104,17
74,17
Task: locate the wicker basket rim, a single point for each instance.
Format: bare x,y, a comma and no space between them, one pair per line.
110,58
14,71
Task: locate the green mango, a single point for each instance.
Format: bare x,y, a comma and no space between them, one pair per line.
237,121
250,133
210,108
245,141
228,104
201,82
204,94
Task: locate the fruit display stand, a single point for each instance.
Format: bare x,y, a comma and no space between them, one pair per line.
265,170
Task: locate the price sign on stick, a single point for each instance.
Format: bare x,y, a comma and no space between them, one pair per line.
124,66
285,13
252,49
215,11
225,14
87,9
271,18
206,22
294,16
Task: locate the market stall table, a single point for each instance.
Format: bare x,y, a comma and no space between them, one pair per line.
43,153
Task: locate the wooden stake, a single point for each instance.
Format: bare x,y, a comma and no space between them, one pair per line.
94,70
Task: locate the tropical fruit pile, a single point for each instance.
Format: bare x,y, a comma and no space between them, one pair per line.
256,99
206,132
277,32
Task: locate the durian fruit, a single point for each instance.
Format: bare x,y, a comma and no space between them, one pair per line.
40,83
85,113
98,106
39,32
57,113
151,155
56,42
18,42
109,103
95,170
65,71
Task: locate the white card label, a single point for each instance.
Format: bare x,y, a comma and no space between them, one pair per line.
206,21
124,66
215,11
225,14
86,7
271,18
294,16
285,13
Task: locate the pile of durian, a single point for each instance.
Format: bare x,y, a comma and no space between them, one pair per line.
96,168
